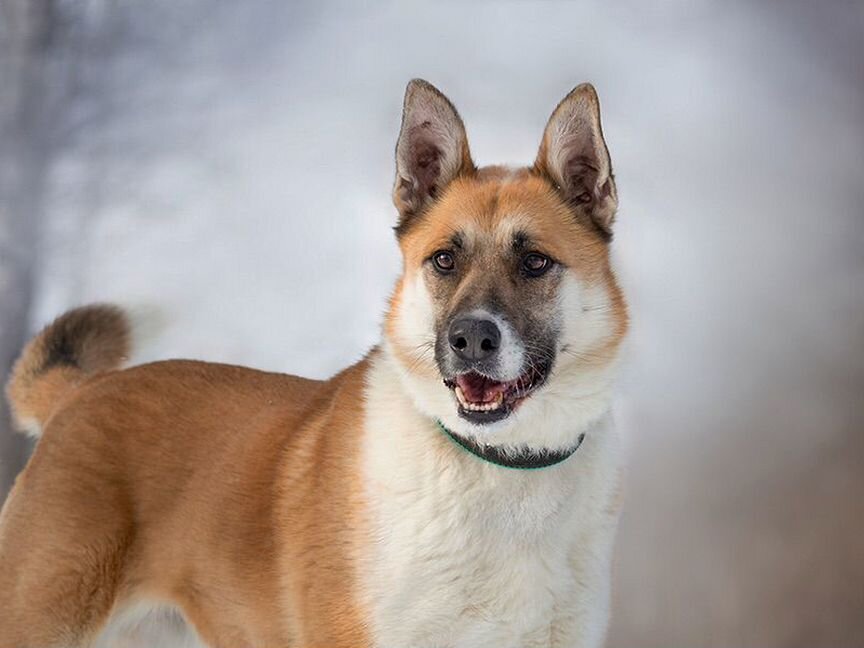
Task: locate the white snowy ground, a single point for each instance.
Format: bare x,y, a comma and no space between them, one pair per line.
236,189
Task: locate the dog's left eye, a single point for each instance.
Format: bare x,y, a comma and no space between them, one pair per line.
444,261
535,264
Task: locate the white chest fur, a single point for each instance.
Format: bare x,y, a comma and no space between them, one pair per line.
465,553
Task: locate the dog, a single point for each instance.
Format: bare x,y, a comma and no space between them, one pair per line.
459,486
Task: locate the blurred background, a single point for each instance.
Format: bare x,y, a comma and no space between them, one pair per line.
224,169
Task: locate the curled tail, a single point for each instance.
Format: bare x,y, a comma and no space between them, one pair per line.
78,344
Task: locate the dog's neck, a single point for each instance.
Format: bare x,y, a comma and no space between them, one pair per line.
574,402
523,459
403,450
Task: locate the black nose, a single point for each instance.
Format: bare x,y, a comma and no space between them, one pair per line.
474,339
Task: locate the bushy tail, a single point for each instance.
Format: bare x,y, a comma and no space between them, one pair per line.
78,344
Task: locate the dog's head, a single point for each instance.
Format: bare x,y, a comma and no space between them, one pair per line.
507,307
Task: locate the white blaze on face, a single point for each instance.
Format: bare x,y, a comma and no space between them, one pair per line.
415,321
414,332
588,322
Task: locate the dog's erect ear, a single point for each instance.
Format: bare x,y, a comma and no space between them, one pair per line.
573,155
432,149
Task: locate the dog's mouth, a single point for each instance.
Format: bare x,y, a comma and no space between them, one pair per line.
485,400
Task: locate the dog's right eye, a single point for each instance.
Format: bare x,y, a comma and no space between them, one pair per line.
444,261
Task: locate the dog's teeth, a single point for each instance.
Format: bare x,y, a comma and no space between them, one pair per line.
460,395
478,407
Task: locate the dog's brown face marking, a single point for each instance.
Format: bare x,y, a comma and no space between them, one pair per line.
515,253
492,224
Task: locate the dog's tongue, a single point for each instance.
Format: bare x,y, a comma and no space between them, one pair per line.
479,389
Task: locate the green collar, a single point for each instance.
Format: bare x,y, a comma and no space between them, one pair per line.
526,459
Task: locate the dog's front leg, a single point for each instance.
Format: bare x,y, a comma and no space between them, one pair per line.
583,624
582,618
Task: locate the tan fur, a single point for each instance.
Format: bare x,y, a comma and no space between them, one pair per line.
98,338
223,490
